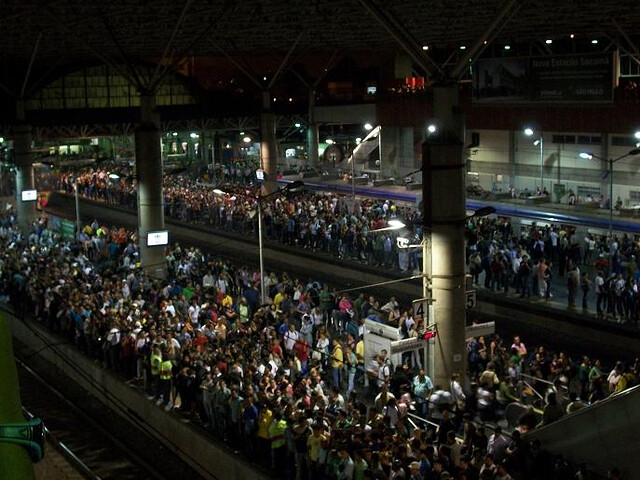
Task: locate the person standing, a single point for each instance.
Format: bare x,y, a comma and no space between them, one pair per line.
337,362
601,295
585,286
422,388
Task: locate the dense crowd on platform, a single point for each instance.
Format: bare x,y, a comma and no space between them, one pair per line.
593,271
282,380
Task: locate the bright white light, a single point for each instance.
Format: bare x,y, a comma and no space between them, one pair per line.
329,141
548,41
290,99
594,41
586,155
217,191
227,145
431,129
528,131
1,139
537,142
274,99
572,36
425,47
637,135
175,134
358,140
114,176
297,124
264,78
462,47
246,139
507,47
368,127
194,135
241,133
396,223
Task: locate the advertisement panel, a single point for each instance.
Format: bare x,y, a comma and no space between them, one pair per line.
579,78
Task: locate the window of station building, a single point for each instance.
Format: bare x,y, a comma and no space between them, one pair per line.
586,191
634,196
103,87
589,139
563,139
620,141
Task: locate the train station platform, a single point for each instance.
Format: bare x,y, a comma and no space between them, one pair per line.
539,209
531,317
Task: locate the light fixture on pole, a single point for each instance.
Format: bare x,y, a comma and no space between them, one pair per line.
289,187
368,127
539,142
610,162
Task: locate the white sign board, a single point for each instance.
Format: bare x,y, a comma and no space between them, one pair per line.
470,298
480,329
421,309
406,345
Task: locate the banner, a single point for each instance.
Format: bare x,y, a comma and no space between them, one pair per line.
579,78
68,229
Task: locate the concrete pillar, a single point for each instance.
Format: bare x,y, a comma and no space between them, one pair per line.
268,147
444,191
312,131
26,211
511,181
604,167
150,198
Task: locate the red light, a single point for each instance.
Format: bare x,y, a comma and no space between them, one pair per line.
428,335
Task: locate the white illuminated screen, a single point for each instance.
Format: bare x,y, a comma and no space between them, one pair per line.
158,238
29,195
260,174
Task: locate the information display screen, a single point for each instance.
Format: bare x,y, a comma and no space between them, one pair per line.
157,238
29,195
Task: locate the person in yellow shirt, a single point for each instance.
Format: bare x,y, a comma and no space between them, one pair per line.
227,301
314,444
264,442
277,300
337,362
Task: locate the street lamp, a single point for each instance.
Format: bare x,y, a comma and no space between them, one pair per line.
259,199
610,162
539,142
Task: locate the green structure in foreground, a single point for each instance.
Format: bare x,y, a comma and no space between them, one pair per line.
17,442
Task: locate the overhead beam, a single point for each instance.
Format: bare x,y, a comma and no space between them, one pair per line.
404,39
285,60
169,44
633,46
31,60
508,9
215,23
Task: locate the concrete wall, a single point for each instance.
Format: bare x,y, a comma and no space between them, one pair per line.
561,162
190,444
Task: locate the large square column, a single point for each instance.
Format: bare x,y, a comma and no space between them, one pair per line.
444,216
26,211
150,197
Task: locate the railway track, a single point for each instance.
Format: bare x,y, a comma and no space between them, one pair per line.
95,452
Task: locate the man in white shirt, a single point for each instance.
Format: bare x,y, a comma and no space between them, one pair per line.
290,338
601,295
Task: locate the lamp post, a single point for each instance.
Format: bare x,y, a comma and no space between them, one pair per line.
539,142
259,199
610,162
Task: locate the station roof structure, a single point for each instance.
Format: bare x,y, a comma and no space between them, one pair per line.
74,31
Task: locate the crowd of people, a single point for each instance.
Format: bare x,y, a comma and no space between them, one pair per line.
593,270
282,380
